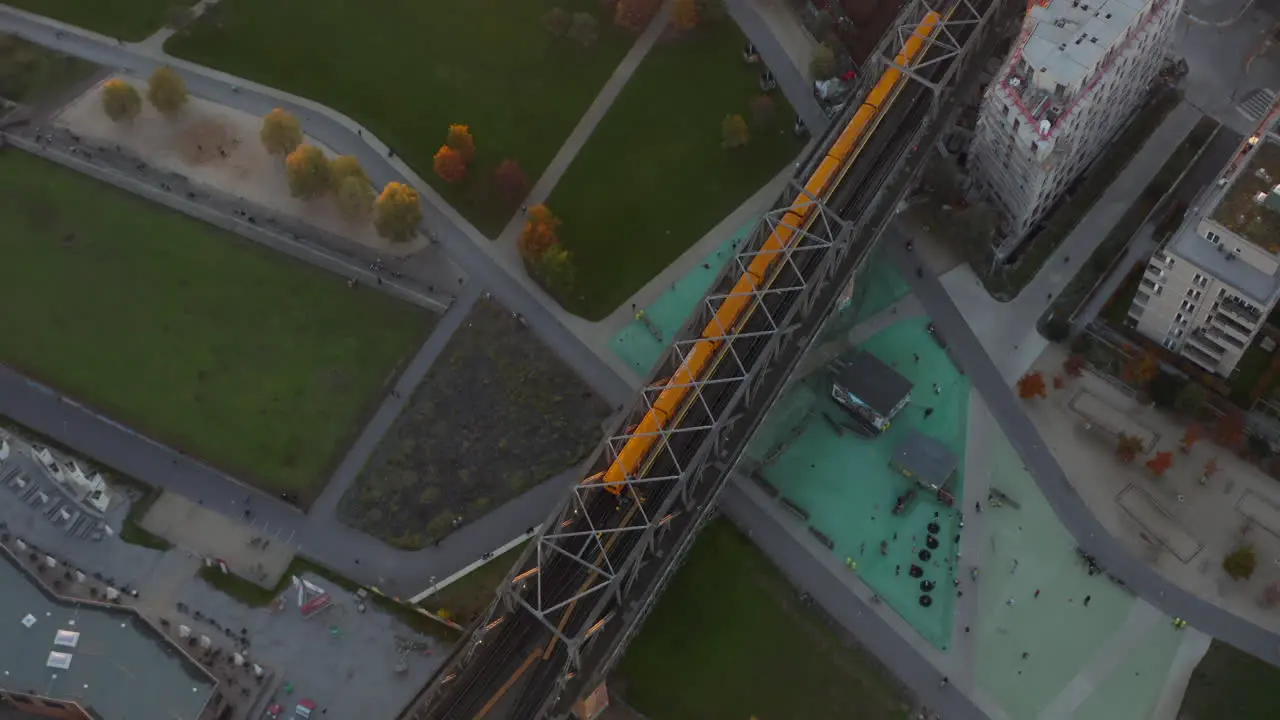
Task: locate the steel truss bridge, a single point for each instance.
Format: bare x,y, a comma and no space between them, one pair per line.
569,607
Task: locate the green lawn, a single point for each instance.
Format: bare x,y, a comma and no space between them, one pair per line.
472,594
653,178
262,365
730,640
1231,684
407,70
30,73
130,20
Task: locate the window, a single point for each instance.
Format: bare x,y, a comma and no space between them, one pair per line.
1222,292
1178,332
1213,237
1238,251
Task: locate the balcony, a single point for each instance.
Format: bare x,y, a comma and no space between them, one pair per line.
1248,317
1229,323
1152,287
1213,348
1220,335
1200,357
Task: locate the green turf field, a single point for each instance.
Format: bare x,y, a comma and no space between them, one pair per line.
407,70
259,364
730,640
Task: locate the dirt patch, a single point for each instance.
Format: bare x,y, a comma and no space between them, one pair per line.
497,414
218,147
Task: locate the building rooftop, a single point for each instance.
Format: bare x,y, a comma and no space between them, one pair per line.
108,660
874,383
1066,46
1253,283
1248,208
925,459
1070,38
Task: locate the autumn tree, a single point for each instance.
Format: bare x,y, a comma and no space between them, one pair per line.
1190,437
634,15
557,21
281,133
684,16
823,65
1240,563
120,101
1074,365
511,182
355,197
554,269
1160,464
449,165
397,212
167,91
1128,447
539,232
734,132
1031,386
347,166
1141,368
308,172
1230,431
764,112
1191,398
1059,382
459,139
584,29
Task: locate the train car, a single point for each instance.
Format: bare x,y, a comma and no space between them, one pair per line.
673,402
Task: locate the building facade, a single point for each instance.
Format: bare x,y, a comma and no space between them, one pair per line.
1209,288
1074,78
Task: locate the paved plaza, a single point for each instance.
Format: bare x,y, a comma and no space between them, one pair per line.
848,488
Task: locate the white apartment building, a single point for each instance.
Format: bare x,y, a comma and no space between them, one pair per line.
1206,293
1074,78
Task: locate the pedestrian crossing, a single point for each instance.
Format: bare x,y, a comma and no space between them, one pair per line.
1257,104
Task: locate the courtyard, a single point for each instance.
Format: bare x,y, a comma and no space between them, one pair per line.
1182,523
497,414
157,321
803,454
519,89
661,141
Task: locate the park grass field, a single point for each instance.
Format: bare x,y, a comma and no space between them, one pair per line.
409,70
730,639
261,365
1229,683
129,20
31,74
654,178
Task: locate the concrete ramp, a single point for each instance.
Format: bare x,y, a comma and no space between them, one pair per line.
1261,510
1158,524
1103,416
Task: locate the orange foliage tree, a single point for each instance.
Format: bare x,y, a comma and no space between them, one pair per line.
459,138
1127,448
450,165
539,233
684,16
1141,368
1160,464
1230,429
634,15
1074,365
511,182
1191,437
1031,386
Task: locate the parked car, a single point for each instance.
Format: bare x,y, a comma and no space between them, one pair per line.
304,709
274,712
